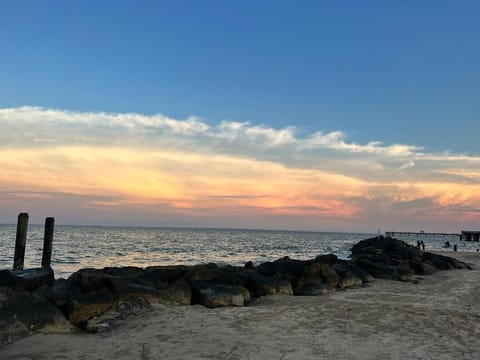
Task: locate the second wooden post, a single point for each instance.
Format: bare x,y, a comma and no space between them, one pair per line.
47,242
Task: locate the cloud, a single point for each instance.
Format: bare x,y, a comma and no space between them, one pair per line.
30,127
407,165
120,162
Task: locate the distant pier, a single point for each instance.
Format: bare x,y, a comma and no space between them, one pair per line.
471,235
464,235
421,233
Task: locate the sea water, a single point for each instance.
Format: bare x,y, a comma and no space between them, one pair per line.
76,247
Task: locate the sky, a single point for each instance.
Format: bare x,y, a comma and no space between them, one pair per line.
304,115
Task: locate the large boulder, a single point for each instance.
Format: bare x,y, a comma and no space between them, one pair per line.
118,313
350,275
441,262
128,272
89,293
203,272
259,285
79,307
23,312
381,270
28,279
178,293
216,295
316,279
284,268
329,259
161,277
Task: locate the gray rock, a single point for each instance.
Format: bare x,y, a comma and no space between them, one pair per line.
203,272
29,279
260,285
383,271
216,295
161,277
180,293
22,313
118,313
315,279
350,275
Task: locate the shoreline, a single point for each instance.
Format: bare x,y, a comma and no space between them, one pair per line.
433,317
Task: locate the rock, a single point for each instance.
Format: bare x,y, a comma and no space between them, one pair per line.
313,289
260,285
88,280
128,272
203,272
283,287
59,293
118,313
350,275
216,295
22,313
89,293
429,269
180,293
326,259
249,265
233,275
29,279
228,275
380,270
161,277
284,268
85,305
316,279
443,262
394,259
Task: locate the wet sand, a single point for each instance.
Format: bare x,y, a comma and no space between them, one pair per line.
436,317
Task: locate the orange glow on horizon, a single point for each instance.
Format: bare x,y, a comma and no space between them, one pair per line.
188,182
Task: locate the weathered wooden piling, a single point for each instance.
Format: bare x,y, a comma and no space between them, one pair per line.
20,241
47,242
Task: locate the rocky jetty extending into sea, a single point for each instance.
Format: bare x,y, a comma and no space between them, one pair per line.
95,299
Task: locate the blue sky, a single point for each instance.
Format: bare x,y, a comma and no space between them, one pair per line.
318,115
390,71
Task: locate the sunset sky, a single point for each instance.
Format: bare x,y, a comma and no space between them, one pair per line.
313,115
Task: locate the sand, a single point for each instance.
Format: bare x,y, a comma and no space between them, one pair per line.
436,318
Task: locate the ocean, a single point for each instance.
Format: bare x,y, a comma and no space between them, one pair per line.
76,247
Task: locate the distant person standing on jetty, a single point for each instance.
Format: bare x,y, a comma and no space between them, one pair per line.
423,245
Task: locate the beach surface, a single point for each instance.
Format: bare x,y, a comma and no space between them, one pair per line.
433,317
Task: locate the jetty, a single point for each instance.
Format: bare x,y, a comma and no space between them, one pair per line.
463,235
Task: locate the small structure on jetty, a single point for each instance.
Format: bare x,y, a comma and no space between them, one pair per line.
470,235
464,235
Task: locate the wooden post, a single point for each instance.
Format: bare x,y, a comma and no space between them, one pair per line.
47,242
22,227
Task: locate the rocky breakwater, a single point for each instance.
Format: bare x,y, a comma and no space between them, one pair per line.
96,299
387,258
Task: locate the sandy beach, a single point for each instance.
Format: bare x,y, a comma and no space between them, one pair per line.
433,317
